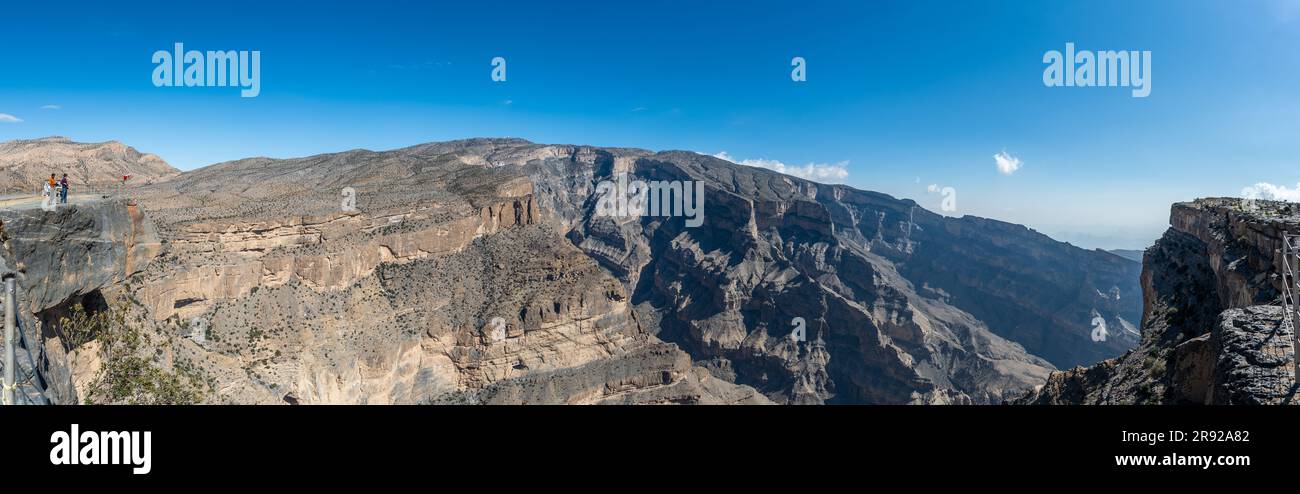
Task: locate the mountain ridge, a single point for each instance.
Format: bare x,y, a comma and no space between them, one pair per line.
951,310
26,163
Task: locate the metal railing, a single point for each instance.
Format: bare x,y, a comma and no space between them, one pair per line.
11,324
1290,289
30,386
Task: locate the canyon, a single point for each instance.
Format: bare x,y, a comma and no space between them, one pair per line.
253,274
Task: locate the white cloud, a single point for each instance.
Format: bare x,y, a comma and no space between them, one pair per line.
1007,164
7,118
508,102
817,172
1270,192
639,108
52,107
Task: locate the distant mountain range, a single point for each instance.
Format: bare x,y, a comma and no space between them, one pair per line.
26,164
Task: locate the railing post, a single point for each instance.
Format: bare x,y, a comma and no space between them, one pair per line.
11,322
1293,285
1290,290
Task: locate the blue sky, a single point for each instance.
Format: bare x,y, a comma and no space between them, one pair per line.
903,94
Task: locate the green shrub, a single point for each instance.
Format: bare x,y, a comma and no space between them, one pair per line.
129,373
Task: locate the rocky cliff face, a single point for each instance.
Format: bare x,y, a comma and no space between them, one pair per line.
901,305
71,256
1212,329
442,282
26,164
482,271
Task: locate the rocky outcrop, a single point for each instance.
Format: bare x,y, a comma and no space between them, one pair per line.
657,374
69,256
324,253
1254,358
1212,325
76,249
1244,246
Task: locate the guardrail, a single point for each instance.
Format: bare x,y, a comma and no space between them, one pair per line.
1290,289
11,323
15,335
